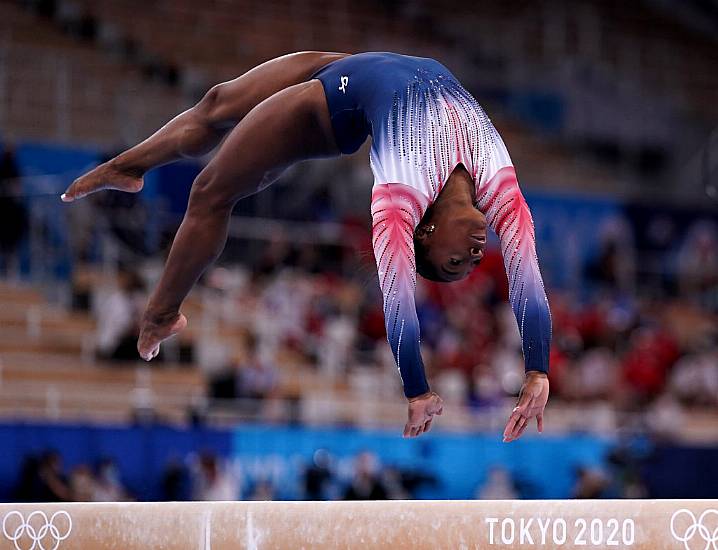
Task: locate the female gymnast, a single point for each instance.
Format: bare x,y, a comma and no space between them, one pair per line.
441,175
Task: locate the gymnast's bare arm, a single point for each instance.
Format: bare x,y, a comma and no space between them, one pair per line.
200,129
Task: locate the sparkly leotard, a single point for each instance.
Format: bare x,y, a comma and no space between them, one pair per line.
424,124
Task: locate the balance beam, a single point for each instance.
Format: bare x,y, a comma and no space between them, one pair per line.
395,525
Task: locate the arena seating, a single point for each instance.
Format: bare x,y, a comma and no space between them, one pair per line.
640,44
55,88
47,369
229,36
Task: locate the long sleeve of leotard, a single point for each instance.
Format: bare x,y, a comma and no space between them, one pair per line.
509,216
396,210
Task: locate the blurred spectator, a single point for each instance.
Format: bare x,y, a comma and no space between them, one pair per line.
213,482
108,486
614,267
13,213
250,377
626,461
263,490
498,486
590,484
698,260
175,482
694,380
366,484
118,311
256,377
82,484
336,343
393,482
592,376
317,476
664,418
646,364
53,485
485,389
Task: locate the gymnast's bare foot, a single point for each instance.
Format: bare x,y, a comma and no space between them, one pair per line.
106,176
154,330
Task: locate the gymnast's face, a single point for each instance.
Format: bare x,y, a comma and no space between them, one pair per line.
448,248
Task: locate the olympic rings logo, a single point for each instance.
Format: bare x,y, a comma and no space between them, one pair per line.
37,532
696,528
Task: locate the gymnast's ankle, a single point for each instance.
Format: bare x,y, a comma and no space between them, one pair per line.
159,318
124,166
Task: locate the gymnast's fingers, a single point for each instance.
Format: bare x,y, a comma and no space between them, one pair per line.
508,429
407,430
520,426
521,431
511,424
525,402
427,425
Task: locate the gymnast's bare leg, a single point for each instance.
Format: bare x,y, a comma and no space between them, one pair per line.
199,129
290,123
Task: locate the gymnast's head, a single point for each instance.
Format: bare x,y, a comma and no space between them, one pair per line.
450,239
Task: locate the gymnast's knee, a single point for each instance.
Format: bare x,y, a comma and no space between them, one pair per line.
215,107
209,197
207,106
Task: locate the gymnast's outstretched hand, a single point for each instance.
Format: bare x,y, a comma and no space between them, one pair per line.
532,401
422,410
109,175
153,330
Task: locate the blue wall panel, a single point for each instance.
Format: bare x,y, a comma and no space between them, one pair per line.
141,453
544,465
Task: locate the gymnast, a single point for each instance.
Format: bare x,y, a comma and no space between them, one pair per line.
442,175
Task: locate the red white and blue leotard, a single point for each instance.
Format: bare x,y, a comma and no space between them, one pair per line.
423,124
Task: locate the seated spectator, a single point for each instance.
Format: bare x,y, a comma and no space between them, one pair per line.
263,490
108,486
249,378
694,379
82,484
593,375
52,484
118,311
646,364
317,476
211,481
175,481
698,260
366,484
590,484
393,482
498,486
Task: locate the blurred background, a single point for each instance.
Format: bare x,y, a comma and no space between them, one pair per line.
283,385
